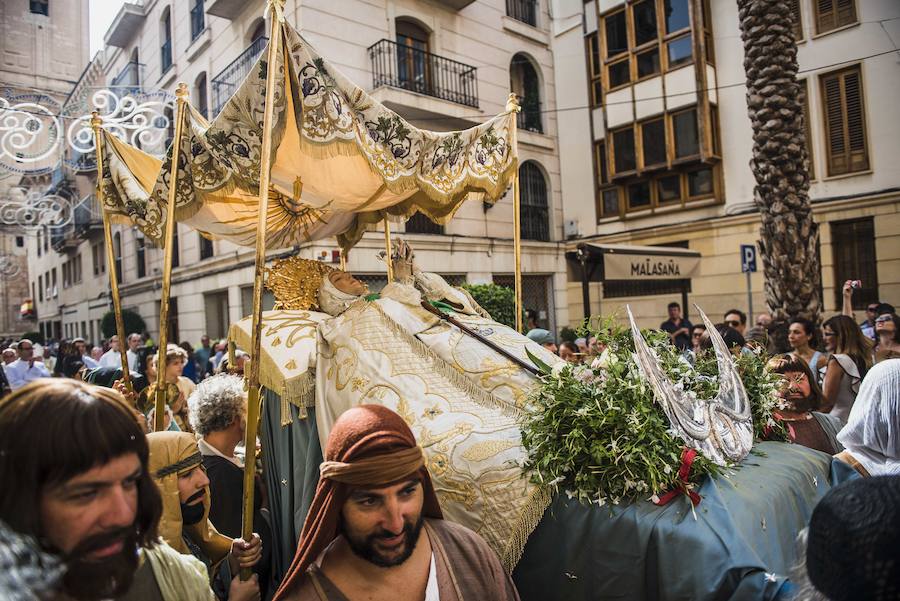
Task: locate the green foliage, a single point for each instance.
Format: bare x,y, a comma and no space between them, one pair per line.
34,337
134,323
597,432
567,334
499,301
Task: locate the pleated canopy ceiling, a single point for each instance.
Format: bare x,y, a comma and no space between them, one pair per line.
341,162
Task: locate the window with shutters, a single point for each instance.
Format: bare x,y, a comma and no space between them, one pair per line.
845,121
798,20
832,14
854,259
534,208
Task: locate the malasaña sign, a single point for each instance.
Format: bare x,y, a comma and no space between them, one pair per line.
625,266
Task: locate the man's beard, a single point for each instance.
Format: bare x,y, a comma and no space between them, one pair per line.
192,514
88,578
365,547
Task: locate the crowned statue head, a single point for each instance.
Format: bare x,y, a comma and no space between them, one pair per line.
305,284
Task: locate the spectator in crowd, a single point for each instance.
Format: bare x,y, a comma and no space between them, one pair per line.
240,362
133,353
203,354
49,359
733,340
851,358
849,552
803,341
9,355
65,353
97,354
112,357
582,345
26,368
83,353
872,434
887,329
737,319
190,364
758,337
802,397
178,388
568,352
74,369
678,329
544,338
89,498
697,336
764,320
221,350
531,319
218,414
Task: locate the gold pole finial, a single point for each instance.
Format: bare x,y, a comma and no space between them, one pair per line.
96,120
181,92
512,103
277,8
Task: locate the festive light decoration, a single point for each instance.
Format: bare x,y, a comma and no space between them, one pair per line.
30,210
30,132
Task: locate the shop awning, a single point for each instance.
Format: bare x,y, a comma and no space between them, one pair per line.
605,262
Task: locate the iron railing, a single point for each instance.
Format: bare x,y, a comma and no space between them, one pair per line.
128,81
523,10
165,56
529,118
226,83
409,68
198,20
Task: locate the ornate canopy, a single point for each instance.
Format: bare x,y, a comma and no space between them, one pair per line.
341,162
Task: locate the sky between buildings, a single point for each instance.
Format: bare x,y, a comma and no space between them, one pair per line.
102,13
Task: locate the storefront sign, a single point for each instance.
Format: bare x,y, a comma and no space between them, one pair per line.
623,266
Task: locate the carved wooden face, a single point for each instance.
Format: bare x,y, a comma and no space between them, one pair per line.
346,283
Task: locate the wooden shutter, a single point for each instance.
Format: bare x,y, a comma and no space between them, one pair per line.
845,123
798,21
831,14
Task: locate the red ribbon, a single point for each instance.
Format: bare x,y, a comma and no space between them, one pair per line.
683,486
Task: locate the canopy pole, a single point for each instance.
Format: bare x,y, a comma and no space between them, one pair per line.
252,377
343,260
96,123
388,261
512,106
160,400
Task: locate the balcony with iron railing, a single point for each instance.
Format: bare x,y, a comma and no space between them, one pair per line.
165,56
416,70
523,10
86,219
128,81
226,83
198,20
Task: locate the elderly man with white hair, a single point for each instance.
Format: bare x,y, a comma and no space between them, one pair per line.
218,414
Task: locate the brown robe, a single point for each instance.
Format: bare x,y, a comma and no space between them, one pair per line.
467,569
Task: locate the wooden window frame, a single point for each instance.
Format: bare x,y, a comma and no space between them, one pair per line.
595,69
836,24
676,160
639,144
611,149
840,74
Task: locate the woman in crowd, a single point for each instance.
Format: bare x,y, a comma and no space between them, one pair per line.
887,329
871,437
190,364
568,351
803,340
178,388
851,358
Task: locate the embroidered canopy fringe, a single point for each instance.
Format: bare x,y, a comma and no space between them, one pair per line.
341,162
480,395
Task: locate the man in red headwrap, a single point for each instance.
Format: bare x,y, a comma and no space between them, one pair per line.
375,528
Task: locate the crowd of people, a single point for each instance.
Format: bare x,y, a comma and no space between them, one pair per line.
123,512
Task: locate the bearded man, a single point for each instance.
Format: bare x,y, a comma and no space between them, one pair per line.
85,494
375,529
176,466
802,396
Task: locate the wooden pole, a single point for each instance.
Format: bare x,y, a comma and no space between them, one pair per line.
252,378
160,401
96,123
388,260
512,105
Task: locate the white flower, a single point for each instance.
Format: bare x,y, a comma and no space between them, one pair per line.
654,499
556,370
556,481
605,360
667,469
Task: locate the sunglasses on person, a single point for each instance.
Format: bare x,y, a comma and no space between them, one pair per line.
733,323
872,308
883,319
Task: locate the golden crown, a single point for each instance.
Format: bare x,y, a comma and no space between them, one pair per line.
295,282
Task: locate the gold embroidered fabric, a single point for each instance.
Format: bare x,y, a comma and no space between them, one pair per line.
341,162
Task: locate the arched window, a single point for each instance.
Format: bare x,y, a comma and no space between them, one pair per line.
258,31
535,210
413,68
202,100
117,255
165,35
525,83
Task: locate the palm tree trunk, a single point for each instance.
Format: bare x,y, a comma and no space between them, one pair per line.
789,237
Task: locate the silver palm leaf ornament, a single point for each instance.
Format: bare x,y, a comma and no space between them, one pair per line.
721,428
